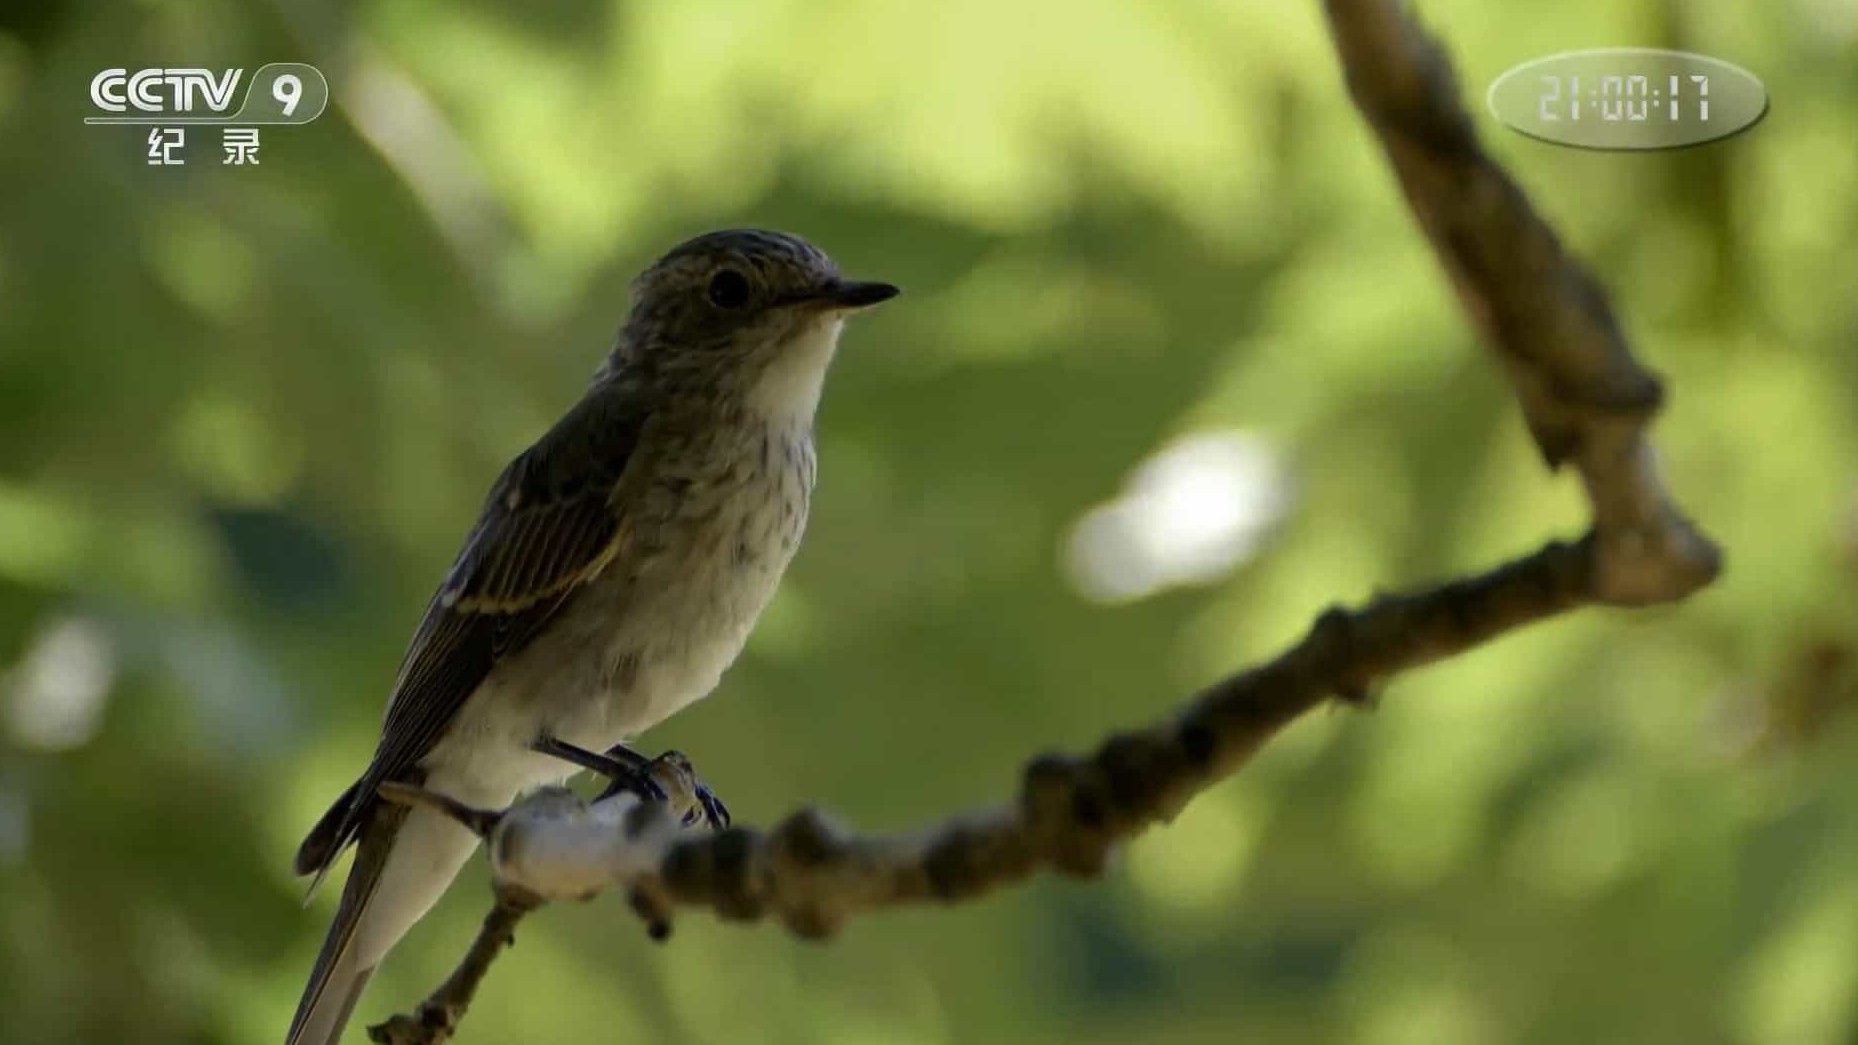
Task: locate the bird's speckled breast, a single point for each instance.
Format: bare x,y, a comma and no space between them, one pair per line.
704,569
708,539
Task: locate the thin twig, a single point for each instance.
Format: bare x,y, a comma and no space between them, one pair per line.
437,1017
1587,401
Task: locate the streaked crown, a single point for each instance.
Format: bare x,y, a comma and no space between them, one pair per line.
737,294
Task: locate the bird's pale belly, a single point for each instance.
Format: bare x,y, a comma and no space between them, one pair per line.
633,647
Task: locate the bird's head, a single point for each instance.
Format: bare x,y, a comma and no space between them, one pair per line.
744,311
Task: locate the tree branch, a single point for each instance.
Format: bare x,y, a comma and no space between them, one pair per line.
1587,402
437,1017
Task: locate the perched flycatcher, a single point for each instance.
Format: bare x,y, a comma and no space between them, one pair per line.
614,573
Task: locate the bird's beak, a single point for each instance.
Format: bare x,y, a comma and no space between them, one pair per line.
847,294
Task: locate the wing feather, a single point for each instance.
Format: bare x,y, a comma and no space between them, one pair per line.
549,526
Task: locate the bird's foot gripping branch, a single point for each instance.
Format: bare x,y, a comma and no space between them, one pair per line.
1587,402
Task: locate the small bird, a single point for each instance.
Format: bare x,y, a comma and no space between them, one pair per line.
614,573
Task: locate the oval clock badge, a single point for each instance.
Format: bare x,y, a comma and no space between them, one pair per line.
1628,98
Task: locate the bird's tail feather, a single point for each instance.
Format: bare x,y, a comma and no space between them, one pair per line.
323,1022
326,840
338,978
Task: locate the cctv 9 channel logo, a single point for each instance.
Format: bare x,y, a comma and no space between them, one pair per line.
281,92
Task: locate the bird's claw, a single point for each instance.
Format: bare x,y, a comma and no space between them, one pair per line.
625,769
688,791
709,807
634,781
669,780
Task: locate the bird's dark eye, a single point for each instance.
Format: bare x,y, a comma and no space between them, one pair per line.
728,289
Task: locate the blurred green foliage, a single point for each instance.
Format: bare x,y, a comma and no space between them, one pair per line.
247,413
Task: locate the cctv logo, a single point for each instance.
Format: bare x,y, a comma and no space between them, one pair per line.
163,90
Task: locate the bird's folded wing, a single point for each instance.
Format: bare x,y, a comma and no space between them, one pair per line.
550,525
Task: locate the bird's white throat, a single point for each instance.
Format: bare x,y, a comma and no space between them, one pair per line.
787,390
